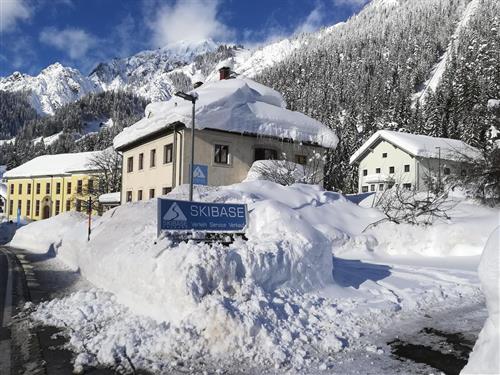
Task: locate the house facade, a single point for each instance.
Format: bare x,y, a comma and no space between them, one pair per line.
411,161
238,122
49,185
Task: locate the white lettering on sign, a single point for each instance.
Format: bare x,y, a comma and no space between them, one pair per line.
216,211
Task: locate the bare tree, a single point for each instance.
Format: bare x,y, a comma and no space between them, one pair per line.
286,172
402,205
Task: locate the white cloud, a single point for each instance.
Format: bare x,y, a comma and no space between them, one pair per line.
12,11
313,21
352,3
189,21
76,42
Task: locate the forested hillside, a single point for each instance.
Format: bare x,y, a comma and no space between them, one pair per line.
70,123
15,111
362,76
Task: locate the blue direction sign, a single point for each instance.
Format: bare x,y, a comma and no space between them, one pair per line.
200,174
201,216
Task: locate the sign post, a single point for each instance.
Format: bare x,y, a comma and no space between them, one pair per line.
177,215
89,209
18,216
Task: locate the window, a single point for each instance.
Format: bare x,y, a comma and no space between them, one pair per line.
38,188
20,189
129,196
365,172
29,189
372,187
90,185
78,205
130,164
463,172
139,195
166,190
168,152
28,207
364,189
407,186
11,207
68,188
141,161
68,205
58,188
151,193
221,154
12,188
407,167
79,186
58,207
47,188
301,159
384,155
37,208
380,187
265,154
377,170
391,169
152,160
446,171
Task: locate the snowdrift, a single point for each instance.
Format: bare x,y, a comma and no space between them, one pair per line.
484,358
217,290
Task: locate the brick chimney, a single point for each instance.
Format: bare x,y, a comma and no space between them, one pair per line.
224,72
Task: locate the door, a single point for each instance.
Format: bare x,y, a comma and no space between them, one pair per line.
46,212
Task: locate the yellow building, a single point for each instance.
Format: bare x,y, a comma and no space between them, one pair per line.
50,184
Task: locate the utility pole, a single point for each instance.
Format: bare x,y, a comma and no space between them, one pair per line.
439,168
192,98
89,210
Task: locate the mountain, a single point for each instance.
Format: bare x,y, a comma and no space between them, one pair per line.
149,73
54,87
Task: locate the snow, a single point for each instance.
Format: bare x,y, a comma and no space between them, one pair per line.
53,165
47,141
432,83
237,105
278,299
3,190
421,146
54,87
484,358
493,103
3,169
110,197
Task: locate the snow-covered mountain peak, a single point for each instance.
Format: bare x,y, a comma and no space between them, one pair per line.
190,49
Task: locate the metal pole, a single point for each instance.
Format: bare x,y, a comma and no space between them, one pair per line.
90,217
192,156
439,168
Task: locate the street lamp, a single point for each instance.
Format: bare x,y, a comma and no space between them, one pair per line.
192,98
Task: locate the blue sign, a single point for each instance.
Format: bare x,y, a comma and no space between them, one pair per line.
201,216
200,174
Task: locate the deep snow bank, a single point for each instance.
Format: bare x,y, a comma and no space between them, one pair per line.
484,358
291,234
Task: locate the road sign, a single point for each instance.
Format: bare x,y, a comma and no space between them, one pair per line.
18,215
201,216
200,174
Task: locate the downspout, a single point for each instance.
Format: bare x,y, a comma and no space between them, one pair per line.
174,158
179,181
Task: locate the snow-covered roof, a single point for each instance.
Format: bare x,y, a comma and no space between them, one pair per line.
53,165
110,197
420,145
236,105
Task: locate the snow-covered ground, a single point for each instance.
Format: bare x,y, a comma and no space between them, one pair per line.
276,302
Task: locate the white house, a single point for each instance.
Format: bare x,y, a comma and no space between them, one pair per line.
238,121
390,158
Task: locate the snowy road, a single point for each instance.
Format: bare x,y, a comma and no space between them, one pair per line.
6,276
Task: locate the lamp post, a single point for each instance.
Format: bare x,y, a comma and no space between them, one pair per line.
439,167
192,98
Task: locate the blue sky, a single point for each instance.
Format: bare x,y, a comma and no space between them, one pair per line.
81,33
